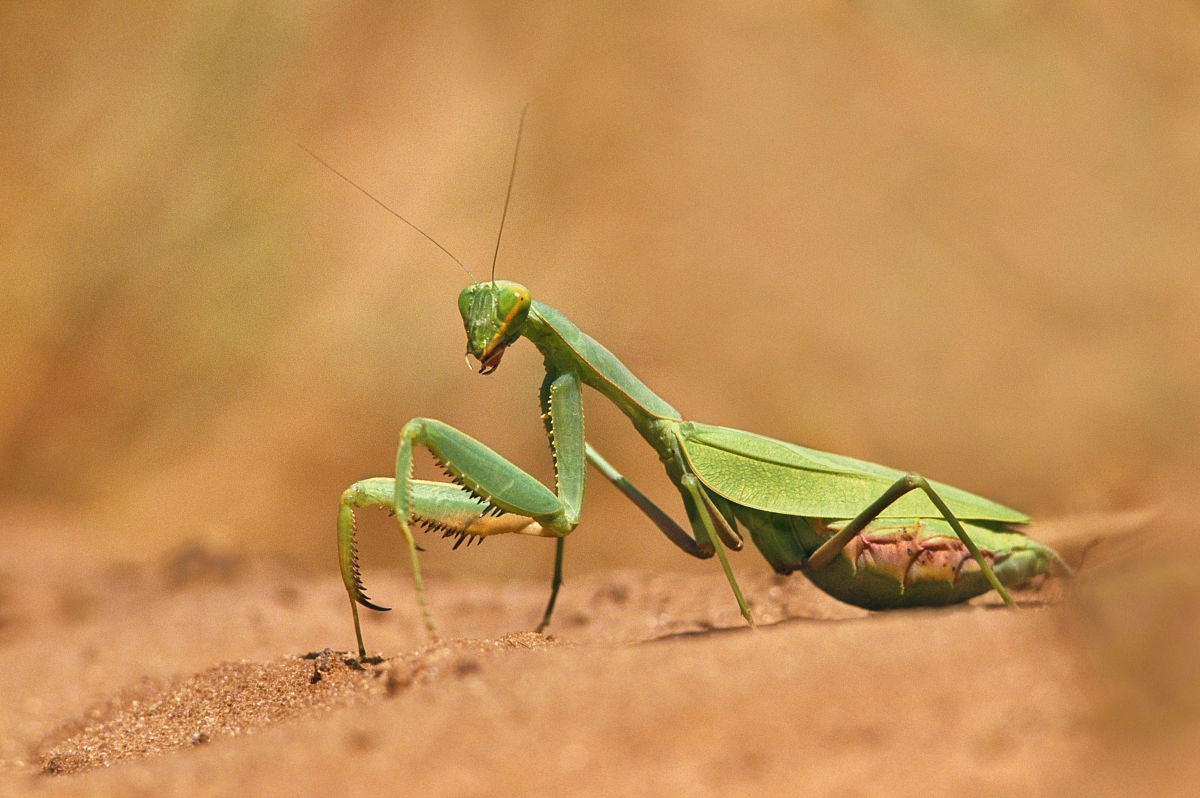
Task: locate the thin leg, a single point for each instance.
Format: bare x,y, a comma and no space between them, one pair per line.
909,482
555,584
672,530
362,650
707,511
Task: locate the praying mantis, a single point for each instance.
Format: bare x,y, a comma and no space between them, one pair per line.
865,534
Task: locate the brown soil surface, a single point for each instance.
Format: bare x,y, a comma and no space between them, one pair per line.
208,673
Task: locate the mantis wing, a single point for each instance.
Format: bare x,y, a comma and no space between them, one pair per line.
778,477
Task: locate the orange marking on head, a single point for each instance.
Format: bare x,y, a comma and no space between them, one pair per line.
504,325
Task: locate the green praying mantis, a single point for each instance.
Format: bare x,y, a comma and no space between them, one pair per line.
866,534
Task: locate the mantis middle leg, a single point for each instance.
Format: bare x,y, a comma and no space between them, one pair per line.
707,521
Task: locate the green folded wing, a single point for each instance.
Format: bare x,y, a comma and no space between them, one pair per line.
779,477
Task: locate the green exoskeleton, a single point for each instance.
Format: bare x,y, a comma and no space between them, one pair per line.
867,535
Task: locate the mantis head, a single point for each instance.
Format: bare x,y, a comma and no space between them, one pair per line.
494,315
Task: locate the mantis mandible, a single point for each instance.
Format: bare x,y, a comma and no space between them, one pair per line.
866,534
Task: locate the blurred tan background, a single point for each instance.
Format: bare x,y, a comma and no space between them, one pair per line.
959,239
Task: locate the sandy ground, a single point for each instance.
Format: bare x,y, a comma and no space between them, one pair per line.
208,673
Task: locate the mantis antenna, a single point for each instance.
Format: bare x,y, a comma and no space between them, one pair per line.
503,215
508,194
383,205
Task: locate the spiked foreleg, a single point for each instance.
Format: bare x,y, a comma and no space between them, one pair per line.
562,413
499,485
435,505
482,473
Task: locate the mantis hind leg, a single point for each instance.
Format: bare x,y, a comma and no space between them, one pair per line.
909,482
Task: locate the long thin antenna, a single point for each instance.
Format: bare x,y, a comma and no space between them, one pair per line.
381,204
508,195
